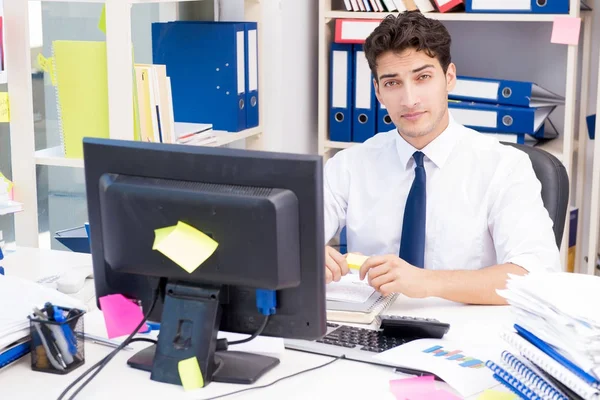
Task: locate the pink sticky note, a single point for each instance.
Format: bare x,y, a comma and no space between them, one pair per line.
412,388
442,395
565,30
121,315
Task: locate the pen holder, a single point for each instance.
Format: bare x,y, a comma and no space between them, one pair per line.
55,346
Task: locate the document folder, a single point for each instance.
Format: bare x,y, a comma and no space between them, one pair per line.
498,118
363,112
518,6
384,122
206,64
498,91
341,78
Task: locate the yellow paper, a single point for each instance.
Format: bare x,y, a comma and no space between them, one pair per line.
102,20
82,86
4,107
184,245
496,395
190,374
355,261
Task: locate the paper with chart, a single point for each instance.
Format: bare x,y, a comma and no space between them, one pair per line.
349,289
461,365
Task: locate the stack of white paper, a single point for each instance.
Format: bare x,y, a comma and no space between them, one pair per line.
18,297
562,309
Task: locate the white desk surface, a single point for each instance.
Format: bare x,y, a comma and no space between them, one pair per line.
342,380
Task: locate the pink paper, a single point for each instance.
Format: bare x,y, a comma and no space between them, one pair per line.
419,388
411,388
565,30
121,316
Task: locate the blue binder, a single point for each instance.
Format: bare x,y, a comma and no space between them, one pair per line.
384,122
590,121
499,91
252,98
498,118
341,78
519,6
250,67
363,110
206,64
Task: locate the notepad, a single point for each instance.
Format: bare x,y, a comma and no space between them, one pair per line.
349,289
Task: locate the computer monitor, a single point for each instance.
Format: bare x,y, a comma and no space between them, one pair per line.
264,209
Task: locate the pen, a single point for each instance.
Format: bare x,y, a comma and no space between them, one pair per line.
101,341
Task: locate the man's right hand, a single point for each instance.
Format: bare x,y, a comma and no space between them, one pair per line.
335,265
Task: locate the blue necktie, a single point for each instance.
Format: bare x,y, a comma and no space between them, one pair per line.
412,246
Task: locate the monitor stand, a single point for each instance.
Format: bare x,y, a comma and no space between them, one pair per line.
189,326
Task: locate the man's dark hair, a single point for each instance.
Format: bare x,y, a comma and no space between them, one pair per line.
408,30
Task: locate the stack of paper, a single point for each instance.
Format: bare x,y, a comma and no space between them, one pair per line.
557,325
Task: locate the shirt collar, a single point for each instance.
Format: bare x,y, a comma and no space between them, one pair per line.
437,151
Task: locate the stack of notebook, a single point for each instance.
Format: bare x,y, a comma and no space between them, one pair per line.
353,300
555,346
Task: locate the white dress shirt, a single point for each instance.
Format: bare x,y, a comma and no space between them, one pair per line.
484,205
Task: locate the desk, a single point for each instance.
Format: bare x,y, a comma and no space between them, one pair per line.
341,380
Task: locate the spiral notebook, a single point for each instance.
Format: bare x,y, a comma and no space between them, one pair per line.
551,366
523,379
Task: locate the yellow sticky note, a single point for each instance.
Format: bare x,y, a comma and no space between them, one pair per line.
102,20
4,107
190,374
184,245
355,261
496,395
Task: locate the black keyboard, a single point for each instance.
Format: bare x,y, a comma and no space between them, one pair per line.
362,339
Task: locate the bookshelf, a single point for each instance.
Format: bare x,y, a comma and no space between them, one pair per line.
565,147
24,156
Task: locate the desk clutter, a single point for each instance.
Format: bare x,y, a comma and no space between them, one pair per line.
16,328
555,346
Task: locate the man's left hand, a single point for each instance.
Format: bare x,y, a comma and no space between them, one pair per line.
391,274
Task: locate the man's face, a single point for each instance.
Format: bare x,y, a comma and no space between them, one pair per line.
414,89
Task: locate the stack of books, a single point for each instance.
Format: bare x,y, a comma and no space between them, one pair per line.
514,110
555,345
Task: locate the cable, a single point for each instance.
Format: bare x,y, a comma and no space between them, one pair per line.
254,335
278,380
103,362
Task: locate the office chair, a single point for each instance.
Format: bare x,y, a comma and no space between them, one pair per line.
555,185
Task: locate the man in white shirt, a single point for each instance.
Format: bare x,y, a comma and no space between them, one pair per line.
474,211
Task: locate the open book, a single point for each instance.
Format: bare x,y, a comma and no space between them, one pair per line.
353,300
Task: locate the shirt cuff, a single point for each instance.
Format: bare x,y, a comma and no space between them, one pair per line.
529,262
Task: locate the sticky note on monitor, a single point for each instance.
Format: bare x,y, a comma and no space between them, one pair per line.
121,315
184,245
565,30
190,374
355,261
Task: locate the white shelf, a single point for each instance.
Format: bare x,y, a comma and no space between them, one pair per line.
3,77
53,156
10,208
455,16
